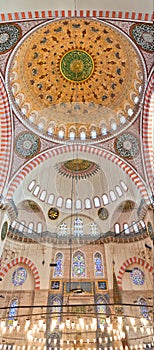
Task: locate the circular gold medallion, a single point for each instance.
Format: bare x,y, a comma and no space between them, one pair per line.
76,65
53,213
103,213
4,230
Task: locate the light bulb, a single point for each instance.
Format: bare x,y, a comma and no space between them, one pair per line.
120,319
4,329
40,323
132,320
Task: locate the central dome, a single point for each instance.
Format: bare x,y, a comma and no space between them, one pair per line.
75,79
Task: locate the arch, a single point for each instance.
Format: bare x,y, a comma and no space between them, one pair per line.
127,263
25,261
59,150
5,136
147,130
147,17
78,264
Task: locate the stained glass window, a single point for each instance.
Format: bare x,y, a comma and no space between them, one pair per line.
78,227
78,265
137,276
62,229
144,308
98,265
101,311
19,276
12,311
56,309
58,270
93,229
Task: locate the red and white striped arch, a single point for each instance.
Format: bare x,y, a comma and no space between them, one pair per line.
129,262
127,15
5,135
48,154
147,130
28,263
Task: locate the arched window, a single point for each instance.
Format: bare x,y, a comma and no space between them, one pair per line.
30,227
119,191
87,203
59,202
143,308
113,196
126,228
124,186
31,185
78,268
117,228
105,199
101,311
98,265
68,204
51,198
97,202
78,227
58,270
13,308
78,204
39,227
93,229
36,191
43,195
56,310
62,229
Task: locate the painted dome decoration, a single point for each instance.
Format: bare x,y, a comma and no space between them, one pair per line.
76,65
19,276
27,145
77,168
85,71
126,145
143,34
10,34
